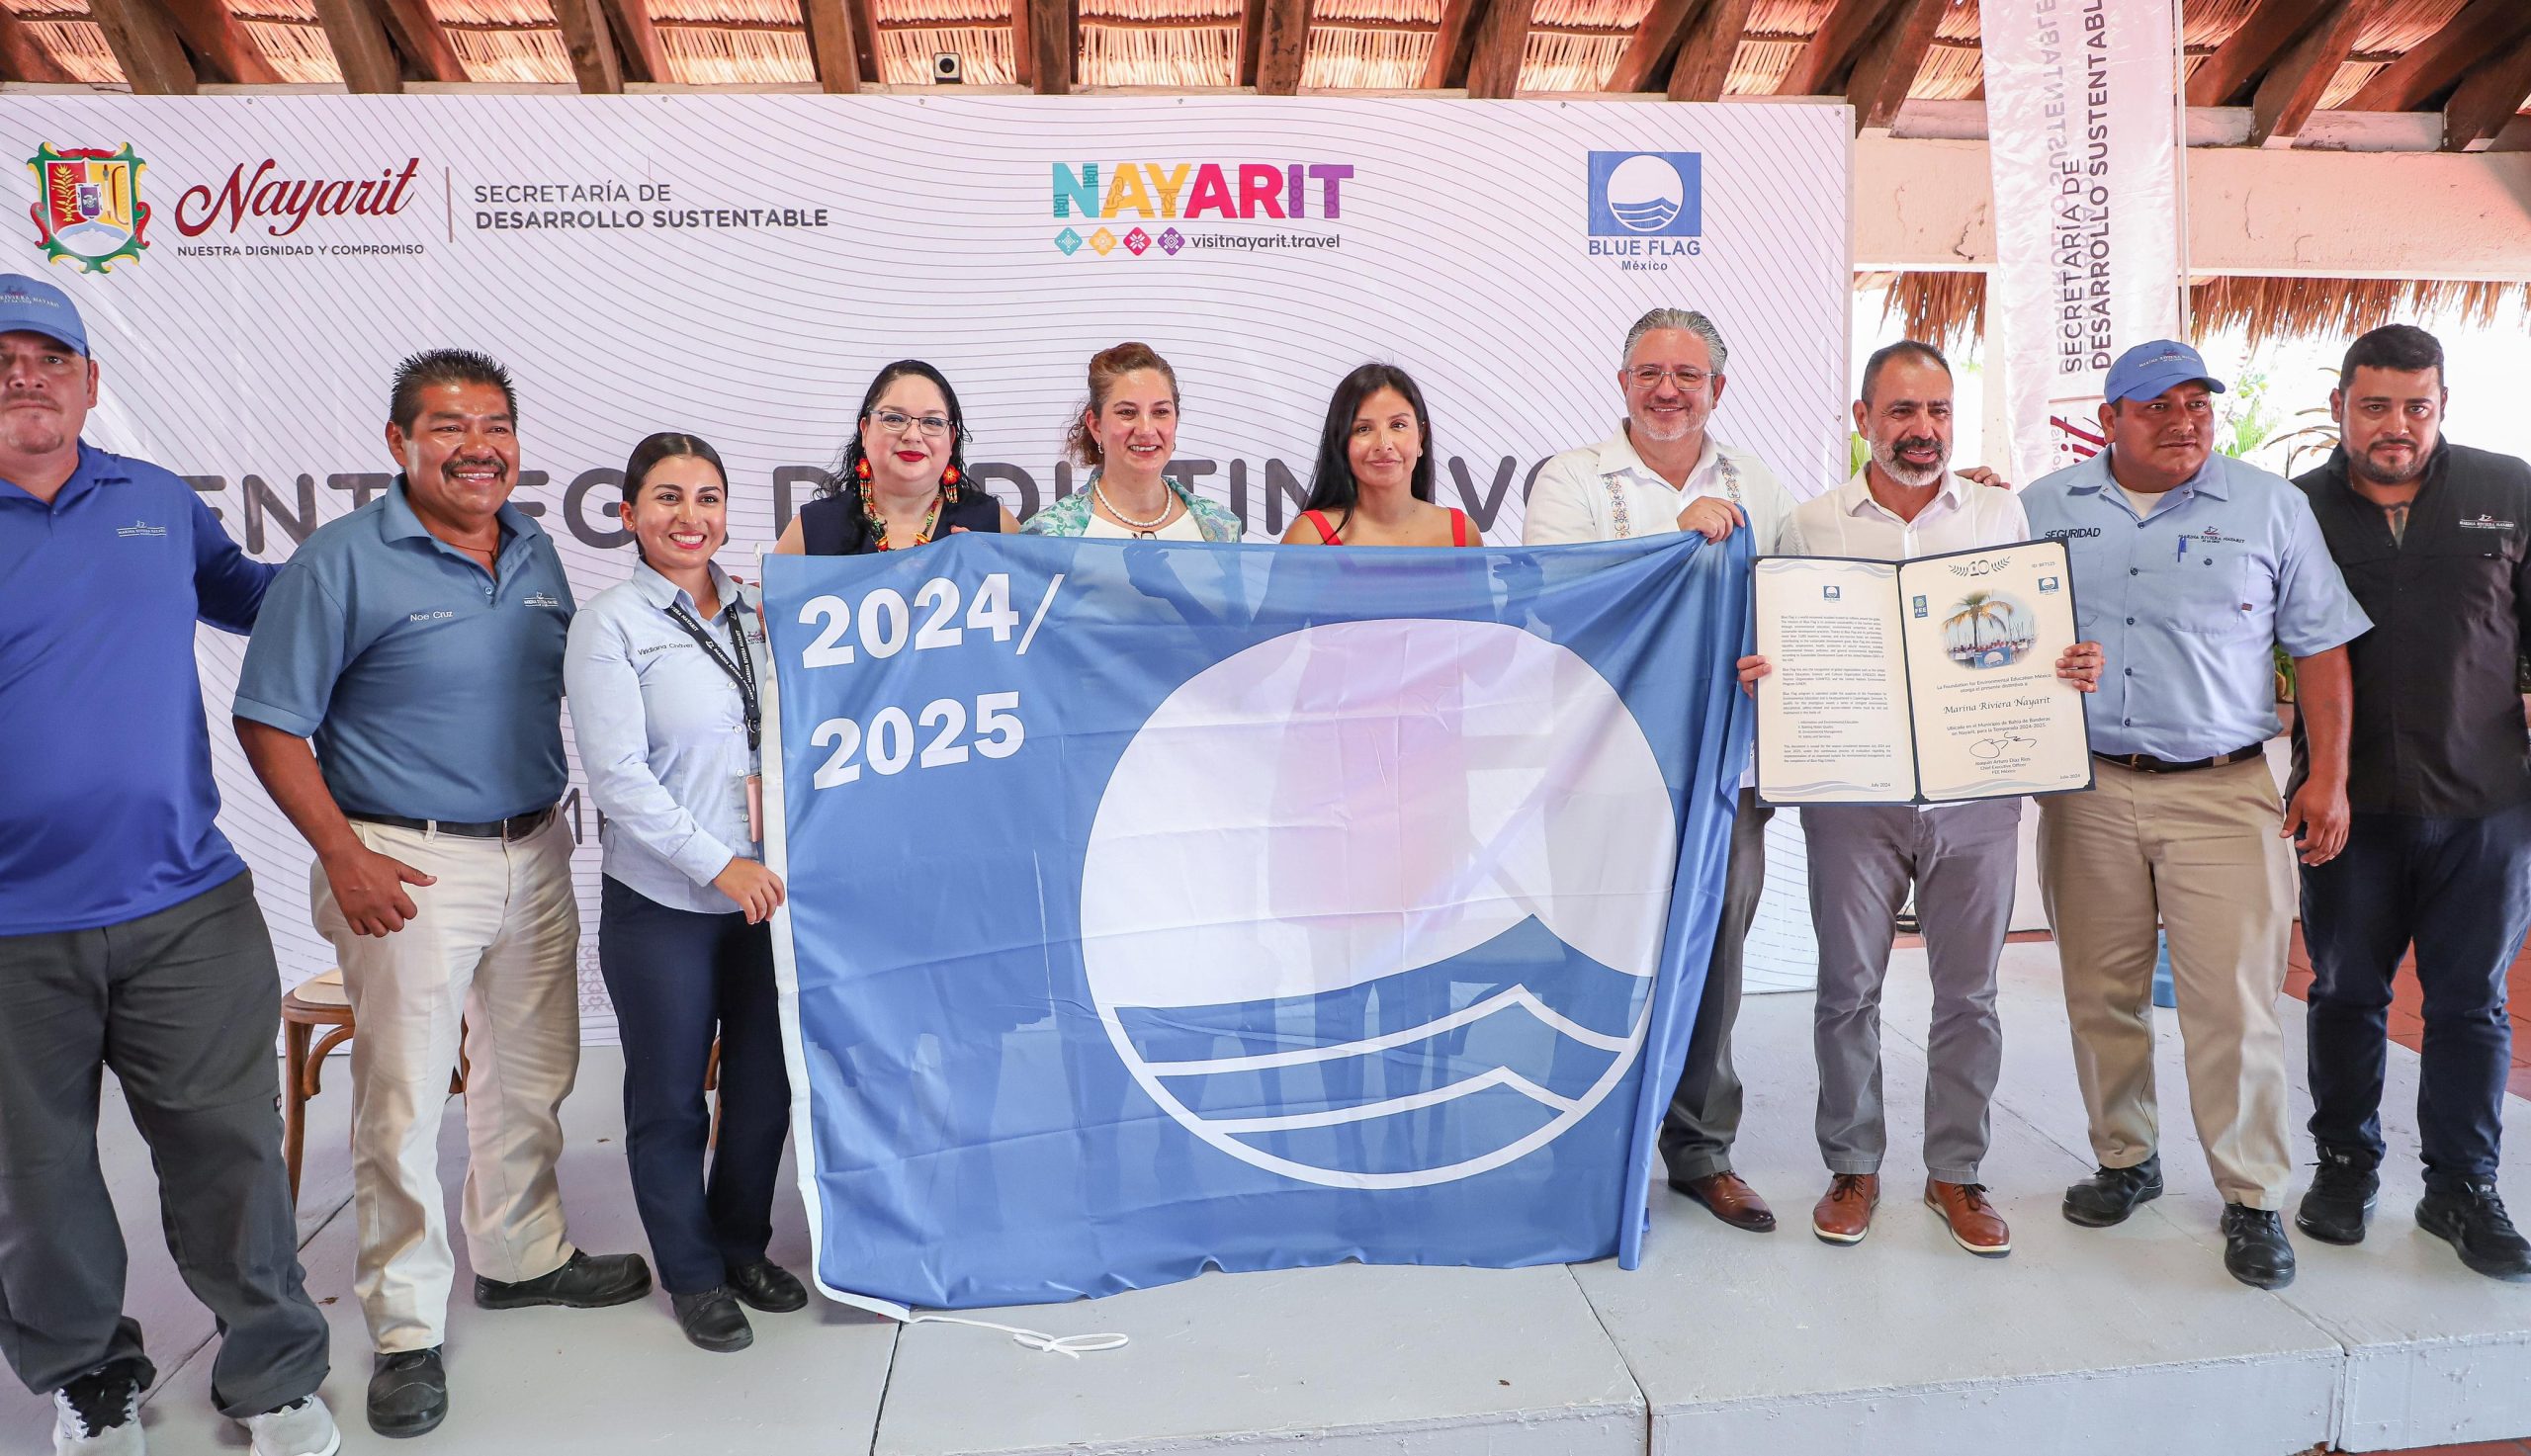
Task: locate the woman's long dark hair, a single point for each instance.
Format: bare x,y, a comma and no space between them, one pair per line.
848,469
1330,483
665,446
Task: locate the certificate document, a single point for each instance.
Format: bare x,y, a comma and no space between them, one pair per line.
1928,681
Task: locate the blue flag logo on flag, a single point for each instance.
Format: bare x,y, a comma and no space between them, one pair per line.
1158,906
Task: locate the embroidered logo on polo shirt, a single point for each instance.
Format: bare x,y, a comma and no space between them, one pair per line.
2068,533
539,599
139,527
2485,522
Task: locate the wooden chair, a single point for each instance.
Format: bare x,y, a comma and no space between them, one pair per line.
320,1002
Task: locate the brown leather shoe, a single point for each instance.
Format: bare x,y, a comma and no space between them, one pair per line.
1730,1200
1844,1213
1974,1224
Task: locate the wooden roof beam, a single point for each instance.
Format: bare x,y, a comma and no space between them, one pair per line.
223,48
1054,45
418,39
585,38
1654,42
144,43
1885,71
2292,87
831,45
23,56
2487,99
636,40
1493,59
1705,48
1452,44
1841,33
2481,29
1281,45
357,31
2221,78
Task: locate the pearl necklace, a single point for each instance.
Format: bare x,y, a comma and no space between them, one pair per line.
1167,503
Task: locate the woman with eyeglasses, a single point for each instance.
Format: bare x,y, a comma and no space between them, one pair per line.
663,675
1124,433
903,481
1373,485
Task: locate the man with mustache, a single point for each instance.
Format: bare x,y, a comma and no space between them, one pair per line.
1958,858
418,643
1664,470
130,938
2431,537
2190,568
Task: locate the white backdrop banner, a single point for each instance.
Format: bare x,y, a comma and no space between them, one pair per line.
252,268
2082,126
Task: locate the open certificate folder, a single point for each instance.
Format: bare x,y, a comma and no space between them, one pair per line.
1928,681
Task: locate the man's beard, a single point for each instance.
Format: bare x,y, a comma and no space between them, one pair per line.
1666,427
1914,477
2379,475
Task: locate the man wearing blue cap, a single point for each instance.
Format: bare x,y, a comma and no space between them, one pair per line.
129,934
2190,568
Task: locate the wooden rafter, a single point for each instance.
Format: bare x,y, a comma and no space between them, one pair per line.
145,45
358,32
1447,65
2293,85
1054,44
864,15
1822,62
1654,41
24,57
2487,99
222,49
418,36
1494,57
2482,28
2221,78
586,39
830,48
1885,70
636,40
1252,36
1282,45
1022,67
1706,49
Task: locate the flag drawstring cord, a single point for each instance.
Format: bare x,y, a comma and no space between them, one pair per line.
1073,1346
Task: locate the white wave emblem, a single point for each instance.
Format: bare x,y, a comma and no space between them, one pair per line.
1343,806
1645,193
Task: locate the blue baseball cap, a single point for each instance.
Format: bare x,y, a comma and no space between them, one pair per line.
2145,371
37,306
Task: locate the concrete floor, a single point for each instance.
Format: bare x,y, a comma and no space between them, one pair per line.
2129,1339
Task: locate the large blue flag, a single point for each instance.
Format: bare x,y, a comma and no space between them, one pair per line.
1161,906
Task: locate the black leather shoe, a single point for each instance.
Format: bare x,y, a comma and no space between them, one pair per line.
713,1320
586,1281
2343,1192
2108,1196
2254,1247
2471,1218
407,1394
767,1286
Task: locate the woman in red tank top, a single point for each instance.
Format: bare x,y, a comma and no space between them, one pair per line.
1373,486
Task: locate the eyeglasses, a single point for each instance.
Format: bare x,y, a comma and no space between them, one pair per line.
896,422
1650,376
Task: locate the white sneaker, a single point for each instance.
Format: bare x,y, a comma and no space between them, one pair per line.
98,1415
304,1429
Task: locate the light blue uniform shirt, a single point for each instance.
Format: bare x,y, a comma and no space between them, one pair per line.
432,690
2188,601
663,737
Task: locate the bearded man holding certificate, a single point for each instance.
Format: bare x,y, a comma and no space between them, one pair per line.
1959,857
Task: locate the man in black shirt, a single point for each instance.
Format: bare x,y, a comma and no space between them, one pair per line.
2431,537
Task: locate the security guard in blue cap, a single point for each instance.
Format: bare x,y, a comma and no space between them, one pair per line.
2190,568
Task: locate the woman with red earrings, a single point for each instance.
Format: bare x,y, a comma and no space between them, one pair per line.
903,481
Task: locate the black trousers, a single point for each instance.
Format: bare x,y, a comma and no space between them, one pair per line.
678,978
2460,890
185,1007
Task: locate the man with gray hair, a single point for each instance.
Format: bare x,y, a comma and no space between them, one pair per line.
1663,471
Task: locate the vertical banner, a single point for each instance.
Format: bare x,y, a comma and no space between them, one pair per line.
2084,134
1160,907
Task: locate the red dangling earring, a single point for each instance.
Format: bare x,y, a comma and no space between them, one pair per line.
861,470
950,477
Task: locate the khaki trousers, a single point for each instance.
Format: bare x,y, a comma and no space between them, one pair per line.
498,942
2200,851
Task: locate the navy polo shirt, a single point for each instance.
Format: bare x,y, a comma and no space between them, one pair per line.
432,690
108,805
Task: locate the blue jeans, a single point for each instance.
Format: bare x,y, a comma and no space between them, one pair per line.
2460,890
678,978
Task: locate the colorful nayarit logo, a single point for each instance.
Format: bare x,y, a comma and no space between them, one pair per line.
1647,193
1127,193
88,209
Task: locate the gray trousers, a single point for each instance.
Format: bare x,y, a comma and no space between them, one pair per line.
184,1005
1961,859
1705,1110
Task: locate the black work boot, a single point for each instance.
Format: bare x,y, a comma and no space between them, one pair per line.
2254,1247
586,1281
2108,1196
2470,1217
2343,1191
408,1393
